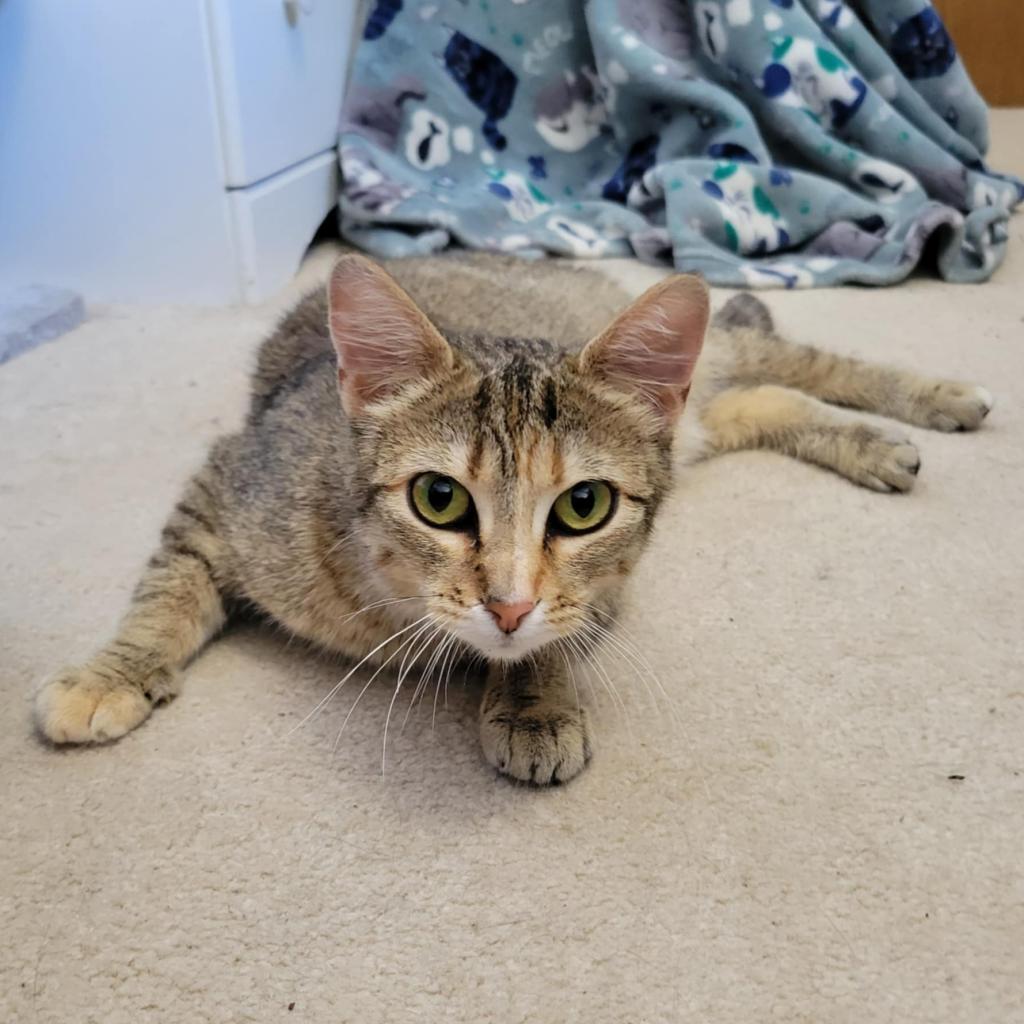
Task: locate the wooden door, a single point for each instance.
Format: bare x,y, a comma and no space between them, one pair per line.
990,37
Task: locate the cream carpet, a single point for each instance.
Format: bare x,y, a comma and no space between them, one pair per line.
833,832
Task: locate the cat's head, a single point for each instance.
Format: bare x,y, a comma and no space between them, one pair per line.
508,484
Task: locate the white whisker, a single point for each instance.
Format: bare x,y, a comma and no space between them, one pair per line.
585,658
609,640
402,673
337,686
427,672
630,644
386,602
571,673
391,657
445,674
632,653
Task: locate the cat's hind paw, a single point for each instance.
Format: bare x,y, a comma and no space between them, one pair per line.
91,705
539,745
950,406
882,462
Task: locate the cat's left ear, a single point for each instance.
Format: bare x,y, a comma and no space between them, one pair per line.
383,341
651,348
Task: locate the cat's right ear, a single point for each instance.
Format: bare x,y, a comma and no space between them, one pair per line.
383,341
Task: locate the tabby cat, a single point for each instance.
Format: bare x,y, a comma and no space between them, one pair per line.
475,458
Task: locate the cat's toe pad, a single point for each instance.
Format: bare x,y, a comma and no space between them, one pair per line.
539,745
82,706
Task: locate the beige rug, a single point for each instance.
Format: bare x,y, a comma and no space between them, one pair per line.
833,832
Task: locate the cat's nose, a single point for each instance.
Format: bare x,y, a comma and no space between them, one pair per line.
509,616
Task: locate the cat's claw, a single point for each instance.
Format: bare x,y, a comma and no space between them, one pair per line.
540,745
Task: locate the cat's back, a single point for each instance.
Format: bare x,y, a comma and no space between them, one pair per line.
301,344
482,294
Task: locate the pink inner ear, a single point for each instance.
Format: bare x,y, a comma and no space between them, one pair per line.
382,339
652,348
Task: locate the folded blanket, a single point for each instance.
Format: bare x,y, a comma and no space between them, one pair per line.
761,143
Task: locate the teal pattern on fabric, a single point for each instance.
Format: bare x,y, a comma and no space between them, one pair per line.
761,143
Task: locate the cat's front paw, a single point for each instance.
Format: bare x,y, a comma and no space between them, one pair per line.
541,744
949,406
92,705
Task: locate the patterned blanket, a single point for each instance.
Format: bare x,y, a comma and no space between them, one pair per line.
761,143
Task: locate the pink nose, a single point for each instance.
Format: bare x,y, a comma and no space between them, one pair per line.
510,616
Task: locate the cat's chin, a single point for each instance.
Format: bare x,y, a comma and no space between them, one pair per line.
478,631
512,654
506,648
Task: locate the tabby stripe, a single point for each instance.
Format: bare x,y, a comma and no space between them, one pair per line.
194,514
173,534
372,493
637,499
129,646
550,403
183,550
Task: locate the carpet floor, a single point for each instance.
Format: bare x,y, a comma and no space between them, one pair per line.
824,821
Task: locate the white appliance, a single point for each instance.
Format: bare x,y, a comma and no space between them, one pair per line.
181,151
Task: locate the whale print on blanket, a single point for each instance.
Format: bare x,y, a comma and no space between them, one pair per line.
813,79
485,79
571,110
380,17
751,141
921,46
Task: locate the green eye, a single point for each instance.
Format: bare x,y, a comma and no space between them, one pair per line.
440,500
585,506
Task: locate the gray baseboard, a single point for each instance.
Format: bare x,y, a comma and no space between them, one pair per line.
36,313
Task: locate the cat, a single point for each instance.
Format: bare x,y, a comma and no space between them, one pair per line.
487,81
422,465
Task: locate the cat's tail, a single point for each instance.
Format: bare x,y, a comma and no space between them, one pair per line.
743,312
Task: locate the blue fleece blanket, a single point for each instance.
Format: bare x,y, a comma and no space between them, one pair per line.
761,143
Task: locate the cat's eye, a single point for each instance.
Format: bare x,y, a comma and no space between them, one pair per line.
583,507
440,501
